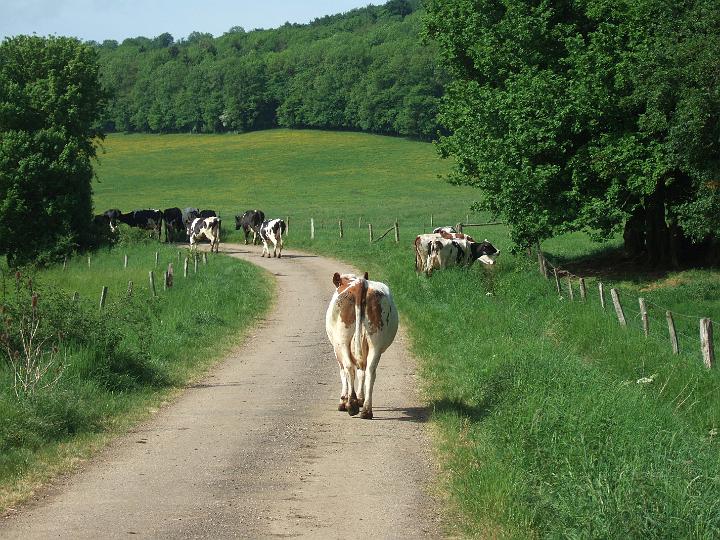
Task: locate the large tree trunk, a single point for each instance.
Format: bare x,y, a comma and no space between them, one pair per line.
657,233
634,234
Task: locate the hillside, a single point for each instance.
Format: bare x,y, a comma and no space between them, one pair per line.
362,70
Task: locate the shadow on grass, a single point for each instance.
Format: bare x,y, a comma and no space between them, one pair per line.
614,265
474,412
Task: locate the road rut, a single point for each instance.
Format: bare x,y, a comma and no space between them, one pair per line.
257,449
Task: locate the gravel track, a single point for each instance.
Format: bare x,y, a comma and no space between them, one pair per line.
257,449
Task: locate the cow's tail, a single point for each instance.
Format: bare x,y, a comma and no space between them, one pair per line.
360,300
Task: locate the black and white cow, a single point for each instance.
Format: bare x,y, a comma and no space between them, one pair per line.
207,213
205,228
445,253
272,231
174,226
150,220
112,215
250,222
188,214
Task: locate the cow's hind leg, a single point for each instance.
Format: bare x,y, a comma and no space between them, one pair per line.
373,361
361,387
342,406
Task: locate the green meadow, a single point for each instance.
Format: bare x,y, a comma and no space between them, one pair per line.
550,420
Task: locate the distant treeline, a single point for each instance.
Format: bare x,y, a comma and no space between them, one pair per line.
363,70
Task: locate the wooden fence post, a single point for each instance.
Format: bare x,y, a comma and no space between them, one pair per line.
88,261
103,296
459,227
195,259
165,280
64,263
360,222
204,257
601,290
541,261
130,288
152,283
397,231
169,275
157,255
557,280
583,289
371,232
312,229
618,307
287,226
185,267
340,224
706,341
673,334
644,317
431,222
570,289
76,296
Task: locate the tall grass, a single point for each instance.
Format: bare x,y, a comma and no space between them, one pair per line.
543,428
121,360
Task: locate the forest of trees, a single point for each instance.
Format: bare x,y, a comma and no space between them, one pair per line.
363,70
598,116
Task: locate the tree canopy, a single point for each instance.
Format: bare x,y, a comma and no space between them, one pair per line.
50,99
362,70
592,115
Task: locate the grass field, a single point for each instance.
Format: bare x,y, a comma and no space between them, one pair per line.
118,363
542,427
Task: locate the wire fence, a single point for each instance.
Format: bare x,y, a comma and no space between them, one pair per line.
676,336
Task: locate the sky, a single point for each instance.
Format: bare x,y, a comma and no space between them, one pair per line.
99,20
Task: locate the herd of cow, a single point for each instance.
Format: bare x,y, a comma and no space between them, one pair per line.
361,320
195,225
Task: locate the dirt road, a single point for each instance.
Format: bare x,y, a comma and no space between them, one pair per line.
258,449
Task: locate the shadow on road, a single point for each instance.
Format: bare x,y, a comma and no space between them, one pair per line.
403,414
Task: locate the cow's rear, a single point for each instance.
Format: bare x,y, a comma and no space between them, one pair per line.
361,323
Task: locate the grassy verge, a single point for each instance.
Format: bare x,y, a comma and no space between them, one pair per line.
119,363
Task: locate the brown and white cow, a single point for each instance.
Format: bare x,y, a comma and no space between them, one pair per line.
424,241
361,323
208,228
445,253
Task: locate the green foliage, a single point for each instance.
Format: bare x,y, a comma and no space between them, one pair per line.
362,70
586,115
50,98
124,358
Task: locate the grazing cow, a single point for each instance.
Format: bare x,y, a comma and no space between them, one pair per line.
174,225
250,222
207,213
205,228
361,322
446,253
272,231
144,219
188,214
112,215
423,242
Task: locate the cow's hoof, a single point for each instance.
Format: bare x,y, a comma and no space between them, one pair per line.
342,406
353,408
366,415
361,402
